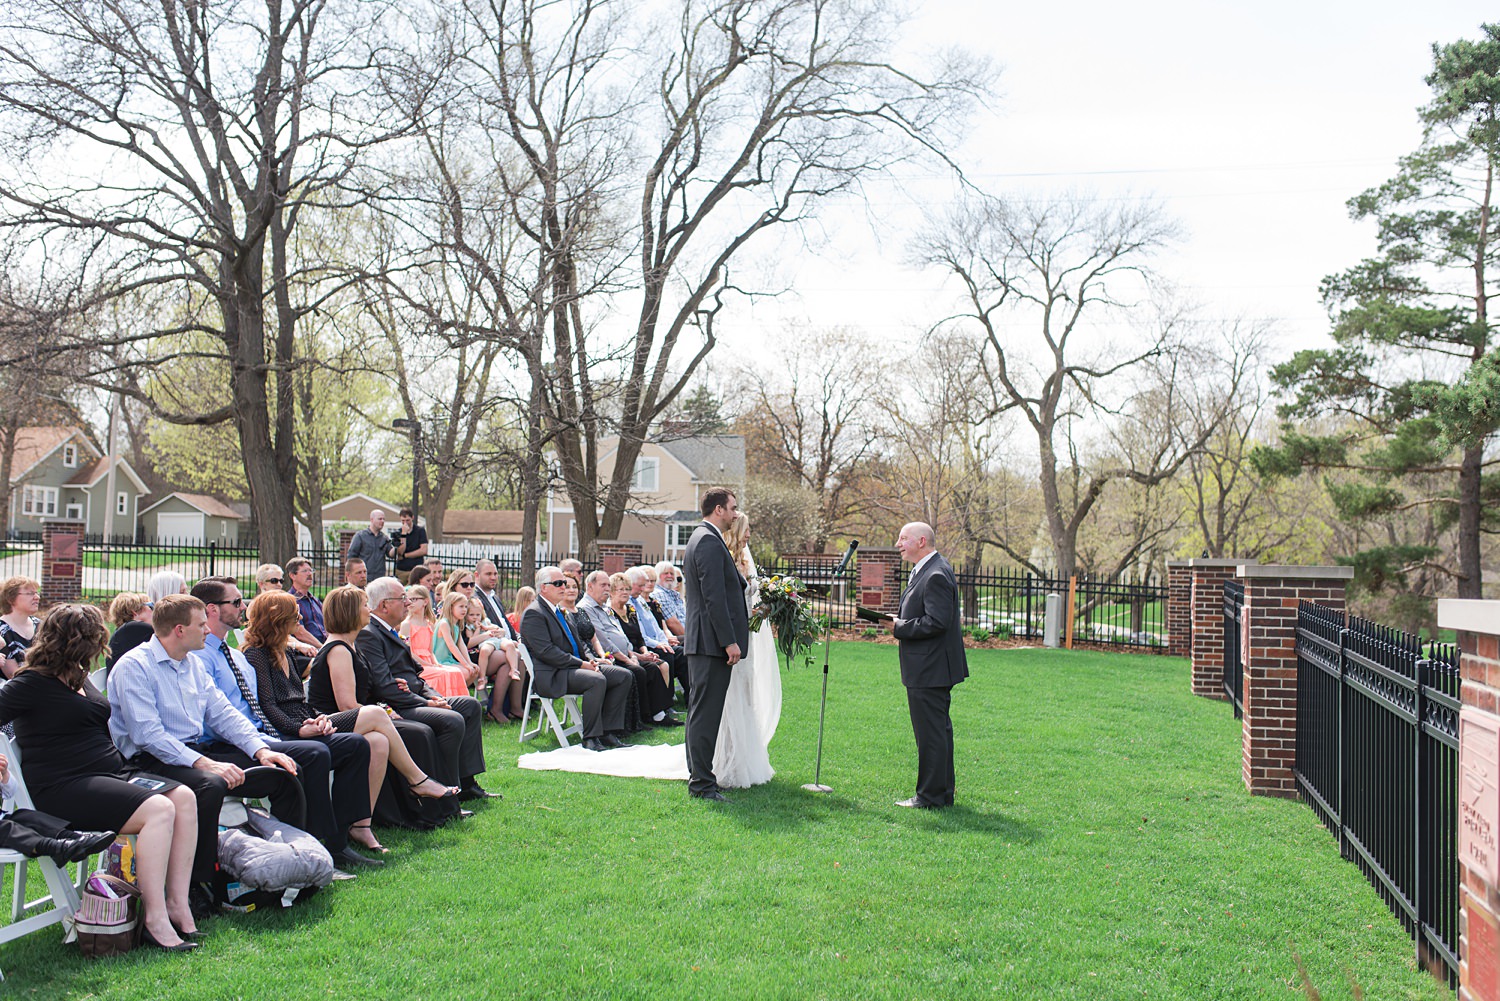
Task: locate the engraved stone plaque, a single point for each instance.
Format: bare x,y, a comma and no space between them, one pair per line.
1479,793
871,574
64,546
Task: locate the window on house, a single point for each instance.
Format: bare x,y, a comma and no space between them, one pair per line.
122,503
70,455
645,478
678,536
39,502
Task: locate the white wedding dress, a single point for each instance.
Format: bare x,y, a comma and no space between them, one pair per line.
752,709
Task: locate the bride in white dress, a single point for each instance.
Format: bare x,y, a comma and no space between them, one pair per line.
753,706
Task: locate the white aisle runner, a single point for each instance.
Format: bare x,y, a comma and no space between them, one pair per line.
640,761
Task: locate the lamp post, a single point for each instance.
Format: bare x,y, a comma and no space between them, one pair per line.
415,427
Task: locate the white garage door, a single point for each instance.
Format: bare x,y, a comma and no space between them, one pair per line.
184,528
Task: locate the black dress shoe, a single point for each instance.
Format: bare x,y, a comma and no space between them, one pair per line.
471,790
915,803
714,795
465,814
610,740
76,846
593,744
346,857
669,720
148,939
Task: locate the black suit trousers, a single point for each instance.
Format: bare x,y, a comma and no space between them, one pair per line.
933,728
459,736
710,677
24,831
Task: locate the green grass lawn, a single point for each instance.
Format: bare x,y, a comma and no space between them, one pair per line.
1103,847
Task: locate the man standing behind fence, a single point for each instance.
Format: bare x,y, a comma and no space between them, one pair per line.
932,661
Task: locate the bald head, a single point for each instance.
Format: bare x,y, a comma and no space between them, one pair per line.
916,540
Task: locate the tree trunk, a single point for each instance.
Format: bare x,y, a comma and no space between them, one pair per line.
1470,506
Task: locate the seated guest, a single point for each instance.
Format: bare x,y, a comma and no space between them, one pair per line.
583,629
572,569
131,614
355,573
508,672
41,835
460,580
434,570
560,667
163,583
20,600
451,670
656,638
396,680
338,686
652,683
669,598
268,577
417,627
419,576
169,718
299,578
74,772
525,598
483,638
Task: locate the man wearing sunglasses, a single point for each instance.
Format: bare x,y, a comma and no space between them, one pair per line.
561,669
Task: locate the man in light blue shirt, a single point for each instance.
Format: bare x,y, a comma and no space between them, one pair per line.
316,748
669,598
168,717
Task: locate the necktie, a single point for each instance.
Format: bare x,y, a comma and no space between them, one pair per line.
261,723
564,620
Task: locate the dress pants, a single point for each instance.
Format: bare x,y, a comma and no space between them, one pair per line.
25,830
933,728
710,684
603,698
459,735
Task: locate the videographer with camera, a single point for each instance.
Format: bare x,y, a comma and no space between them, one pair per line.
411,544
370,545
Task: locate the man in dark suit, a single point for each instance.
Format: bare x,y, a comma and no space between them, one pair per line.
559,668
932,661
396,680
718,633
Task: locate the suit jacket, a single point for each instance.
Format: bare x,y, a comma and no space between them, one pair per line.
932,639
715,595
551,654
388,658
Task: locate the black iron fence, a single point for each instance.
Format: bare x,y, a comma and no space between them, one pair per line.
1377,758
1234,660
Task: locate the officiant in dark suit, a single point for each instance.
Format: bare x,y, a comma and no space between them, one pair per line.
396,680
559,667
717,635
932,661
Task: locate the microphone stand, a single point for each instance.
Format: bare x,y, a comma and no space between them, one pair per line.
816,785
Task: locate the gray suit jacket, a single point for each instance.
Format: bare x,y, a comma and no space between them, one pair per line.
932,639
715,596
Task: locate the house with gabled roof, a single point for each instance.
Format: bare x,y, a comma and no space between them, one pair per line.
670,476
58,472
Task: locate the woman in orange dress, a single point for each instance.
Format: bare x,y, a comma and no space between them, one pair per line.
452,671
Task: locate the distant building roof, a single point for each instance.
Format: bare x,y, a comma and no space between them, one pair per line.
35,444
460,522
96,471
711,457
210,506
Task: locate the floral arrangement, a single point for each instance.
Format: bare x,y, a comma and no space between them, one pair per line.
784,603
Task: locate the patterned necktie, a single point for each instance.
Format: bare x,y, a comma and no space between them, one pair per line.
564,620
261,723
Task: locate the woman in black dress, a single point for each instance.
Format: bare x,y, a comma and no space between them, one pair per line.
74,771
338,686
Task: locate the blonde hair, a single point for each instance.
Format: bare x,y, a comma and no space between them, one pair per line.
345,610
737,538
11,590
126,606
525,598
452,582
419,592
451,599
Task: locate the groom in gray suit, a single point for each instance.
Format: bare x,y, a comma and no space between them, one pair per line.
932,661
718,633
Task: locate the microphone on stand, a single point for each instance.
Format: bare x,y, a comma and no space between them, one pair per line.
848,555
816,785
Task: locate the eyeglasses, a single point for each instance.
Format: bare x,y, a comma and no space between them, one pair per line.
237,603
553,583
273,580
466,583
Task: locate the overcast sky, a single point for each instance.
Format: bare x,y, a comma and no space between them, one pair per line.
1251,123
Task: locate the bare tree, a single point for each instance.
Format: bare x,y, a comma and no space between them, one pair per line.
198,137
1064,268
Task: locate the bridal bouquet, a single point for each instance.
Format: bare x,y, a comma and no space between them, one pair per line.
783,602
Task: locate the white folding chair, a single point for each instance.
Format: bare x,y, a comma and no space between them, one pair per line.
58,906
546,715
98,678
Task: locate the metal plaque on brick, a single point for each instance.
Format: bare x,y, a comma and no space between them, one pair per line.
1479,793
64,546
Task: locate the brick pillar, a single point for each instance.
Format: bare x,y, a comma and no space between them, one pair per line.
1268,652
616,555
346,536
880,579
1179,608
1478,627
62,561
1206,623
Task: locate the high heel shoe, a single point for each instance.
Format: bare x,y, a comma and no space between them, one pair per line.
185,946
373,844
447,790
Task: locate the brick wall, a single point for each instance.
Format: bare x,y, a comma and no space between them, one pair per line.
62,562
1206,601
880,579
616,555
1478,626
1268,652
1179,608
